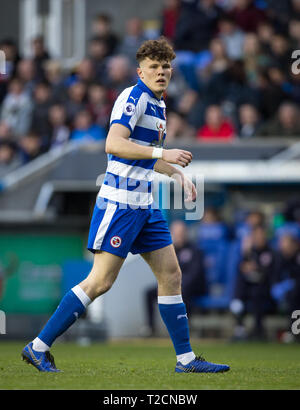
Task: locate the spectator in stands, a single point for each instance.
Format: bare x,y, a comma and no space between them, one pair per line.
76,99
132,39
294,33
40,56
249,121
232,37
60,132
279,13
54,77
16,108
85,130
229,88
26,72
178,127
99,105
85,72
197,24
237,89
255,219
9,158
246,15
243,231
216,127
97,52
265,32
102,28
281,52
253,285
254,58
271,94
170,17
41,104
30,147
285,123
295,9
120,74
5,131
219,59
193,275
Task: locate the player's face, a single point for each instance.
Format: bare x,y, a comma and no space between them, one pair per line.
155,74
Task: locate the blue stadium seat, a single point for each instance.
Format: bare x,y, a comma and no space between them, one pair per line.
221,290
212,240
74,271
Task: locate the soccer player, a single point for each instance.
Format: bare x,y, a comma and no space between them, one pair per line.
124,219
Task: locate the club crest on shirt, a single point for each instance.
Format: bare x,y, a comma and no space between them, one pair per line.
115,241
161,130
129,109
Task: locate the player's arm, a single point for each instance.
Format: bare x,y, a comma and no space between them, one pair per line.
165,168
118,144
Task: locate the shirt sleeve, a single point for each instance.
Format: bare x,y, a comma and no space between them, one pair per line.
128,108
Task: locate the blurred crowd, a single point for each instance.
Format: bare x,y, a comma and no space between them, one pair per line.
232,78
248,266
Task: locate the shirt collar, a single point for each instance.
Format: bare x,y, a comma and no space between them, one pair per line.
143,86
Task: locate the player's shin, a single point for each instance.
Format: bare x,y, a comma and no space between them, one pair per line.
173,312
70,308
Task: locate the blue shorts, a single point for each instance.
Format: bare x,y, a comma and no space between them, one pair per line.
119,231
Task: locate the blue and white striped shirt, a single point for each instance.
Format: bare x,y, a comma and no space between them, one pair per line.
129,181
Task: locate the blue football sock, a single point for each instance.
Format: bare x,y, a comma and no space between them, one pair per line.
173,312
70,308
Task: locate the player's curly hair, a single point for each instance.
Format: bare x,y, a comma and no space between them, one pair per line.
159,50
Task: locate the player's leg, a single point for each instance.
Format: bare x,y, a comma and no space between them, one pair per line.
102,276
165,267
105,270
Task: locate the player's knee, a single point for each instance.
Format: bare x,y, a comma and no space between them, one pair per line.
95,286
102,286
173,277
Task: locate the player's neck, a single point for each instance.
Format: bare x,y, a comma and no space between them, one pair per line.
158,95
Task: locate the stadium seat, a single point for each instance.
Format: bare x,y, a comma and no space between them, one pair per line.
221,290
212,240
74,271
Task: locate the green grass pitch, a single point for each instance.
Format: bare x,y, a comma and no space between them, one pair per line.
149,365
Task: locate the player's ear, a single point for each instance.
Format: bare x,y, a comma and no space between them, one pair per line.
140,73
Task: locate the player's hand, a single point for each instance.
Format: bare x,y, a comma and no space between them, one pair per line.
188,187
177,156
189,190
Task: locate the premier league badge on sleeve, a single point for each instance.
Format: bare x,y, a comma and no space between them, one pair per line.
129,109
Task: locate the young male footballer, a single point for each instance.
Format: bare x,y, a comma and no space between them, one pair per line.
124,218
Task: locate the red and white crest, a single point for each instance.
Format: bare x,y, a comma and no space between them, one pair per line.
161,130
115,241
